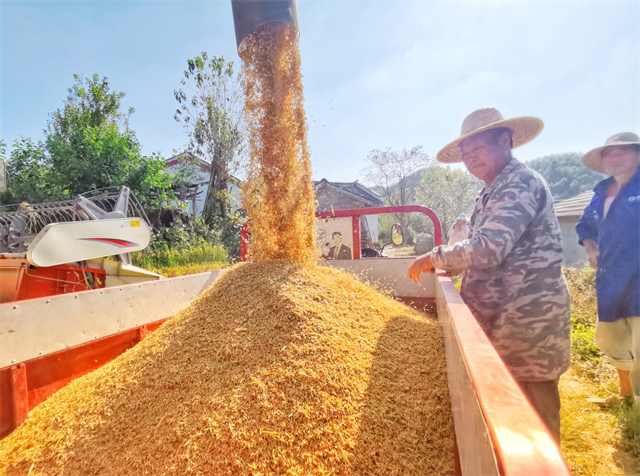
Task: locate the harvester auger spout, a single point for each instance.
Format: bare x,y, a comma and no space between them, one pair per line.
250,15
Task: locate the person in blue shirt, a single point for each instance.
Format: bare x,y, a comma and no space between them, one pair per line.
609,230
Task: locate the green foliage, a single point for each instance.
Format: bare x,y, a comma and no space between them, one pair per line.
448,192
183,248
566,174
585,354
211,107
183,236
583,346
31,175
205,253
90,104
394,175
88,146
628,415
582,287
590,362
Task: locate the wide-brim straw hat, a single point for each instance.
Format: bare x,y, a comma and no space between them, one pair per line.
593,158
523,130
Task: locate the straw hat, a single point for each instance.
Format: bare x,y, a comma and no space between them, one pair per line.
523,130
593,159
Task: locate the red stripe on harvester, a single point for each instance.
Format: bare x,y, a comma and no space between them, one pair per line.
123,243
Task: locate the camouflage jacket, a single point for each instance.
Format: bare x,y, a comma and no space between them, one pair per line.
513,281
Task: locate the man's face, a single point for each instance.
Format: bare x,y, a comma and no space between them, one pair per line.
337,240
619,159
482,155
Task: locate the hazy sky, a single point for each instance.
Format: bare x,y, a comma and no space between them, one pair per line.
377,74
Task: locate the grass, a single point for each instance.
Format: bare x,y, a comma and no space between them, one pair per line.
197,259
399,251
589,436
595,441
628,417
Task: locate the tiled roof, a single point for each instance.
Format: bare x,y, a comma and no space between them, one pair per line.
355,189
574,206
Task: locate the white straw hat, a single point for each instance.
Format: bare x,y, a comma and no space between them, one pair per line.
593,158
523,130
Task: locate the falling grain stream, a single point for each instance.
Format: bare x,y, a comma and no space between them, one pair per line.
281,367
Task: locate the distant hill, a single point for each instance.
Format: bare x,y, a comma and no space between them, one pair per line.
565,173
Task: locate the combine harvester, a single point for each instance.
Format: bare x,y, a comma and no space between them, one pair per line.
92,309
61,247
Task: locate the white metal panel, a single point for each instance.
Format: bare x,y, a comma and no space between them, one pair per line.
60,243
37,327
390,274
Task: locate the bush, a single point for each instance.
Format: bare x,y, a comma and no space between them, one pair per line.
183,248
183,236
582,286
204,253
628,416
583,346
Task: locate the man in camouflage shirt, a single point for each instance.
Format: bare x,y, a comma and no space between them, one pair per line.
512,281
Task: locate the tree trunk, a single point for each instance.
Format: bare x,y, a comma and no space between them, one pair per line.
215,204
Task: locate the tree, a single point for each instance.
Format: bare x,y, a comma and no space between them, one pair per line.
30,173
566,174
393,173
448,192
212,113
88,146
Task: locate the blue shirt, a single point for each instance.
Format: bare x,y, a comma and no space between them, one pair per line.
618,239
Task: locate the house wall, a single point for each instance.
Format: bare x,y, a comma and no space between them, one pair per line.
202,176
328,197
573,253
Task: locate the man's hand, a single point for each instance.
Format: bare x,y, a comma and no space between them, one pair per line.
591,247
422,264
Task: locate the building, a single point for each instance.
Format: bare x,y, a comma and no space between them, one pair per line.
349,196
339,195
569,212
196,192
345,196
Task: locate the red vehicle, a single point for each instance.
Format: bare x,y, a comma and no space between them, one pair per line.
47,342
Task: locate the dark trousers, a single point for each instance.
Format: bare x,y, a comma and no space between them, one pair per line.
545,399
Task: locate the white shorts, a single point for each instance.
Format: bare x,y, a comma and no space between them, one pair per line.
620,342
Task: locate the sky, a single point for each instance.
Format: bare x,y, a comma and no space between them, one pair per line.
377,74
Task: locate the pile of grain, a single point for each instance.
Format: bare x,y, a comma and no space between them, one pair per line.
277,369
278,193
